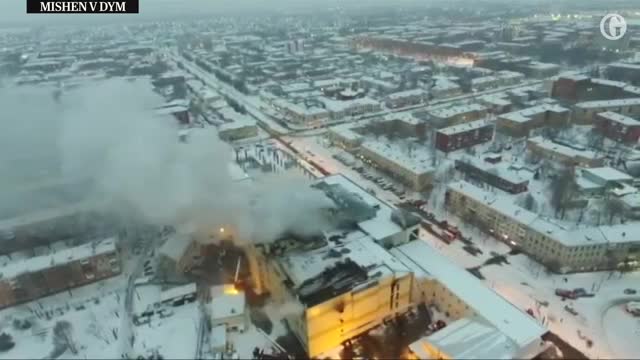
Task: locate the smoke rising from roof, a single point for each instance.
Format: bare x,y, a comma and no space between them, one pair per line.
107,132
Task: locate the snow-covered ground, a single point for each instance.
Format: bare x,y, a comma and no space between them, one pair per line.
94,313
525,283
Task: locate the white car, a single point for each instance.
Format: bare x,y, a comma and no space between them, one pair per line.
633,308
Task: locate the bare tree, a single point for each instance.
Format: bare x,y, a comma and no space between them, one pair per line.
563,191
530,203
62,336
614,207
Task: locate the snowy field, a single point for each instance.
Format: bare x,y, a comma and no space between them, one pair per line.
90,317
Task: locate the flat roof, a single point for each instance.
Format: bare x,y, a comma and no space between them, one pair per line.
563,149
608,103
460,128
512,322
65,256
456,110
569,235
178,291
473,338
619,118
419,164
226,301
525,115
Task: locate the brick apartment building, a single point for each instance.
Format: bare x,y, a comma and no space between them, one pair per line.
464,135
579,88
618,127
25,280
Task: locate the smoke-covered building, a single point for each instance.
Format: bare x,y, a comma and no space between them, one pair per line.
28,279
344,281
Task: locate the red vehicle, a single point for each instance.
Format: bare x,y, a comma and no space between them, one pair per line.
568,294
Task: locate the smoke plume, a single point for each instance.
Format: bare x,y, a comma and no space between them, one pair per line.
107,132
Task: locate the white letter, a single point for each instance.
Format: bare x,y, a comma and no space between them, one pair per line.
46,7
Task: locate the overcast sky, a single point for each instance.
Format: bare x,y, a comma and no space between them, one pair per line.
12,11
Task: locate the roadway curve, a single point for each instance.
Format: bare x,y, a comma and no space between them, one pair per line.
612,322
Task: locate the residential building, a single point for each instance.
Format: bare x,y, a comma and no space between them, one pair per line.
345,136
29,279
499,175
457,114
627,72
520,123
567,154
180,252
413,168
618,127
561,248
585,113
497,79
405,98
464,135
338,110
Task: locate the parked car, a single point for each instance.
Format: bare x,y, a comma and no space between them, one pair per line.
567,294
633,308
630,291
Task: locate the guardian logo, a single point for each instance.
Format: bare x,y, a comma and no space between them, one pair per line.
613,27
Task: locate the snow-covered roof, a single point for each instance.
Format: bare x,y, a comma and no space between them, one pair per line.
237,124
337,105
472,338
379,227
175,247
525,115
567,236
405,94
177,292
460,128
607,173
456,110
62,257
619,118
419,163
357,246
562,149
226,302
608,103
218,337
513,323
345,131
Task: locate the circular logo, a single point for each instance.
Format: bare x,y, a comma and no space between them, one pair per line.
613,27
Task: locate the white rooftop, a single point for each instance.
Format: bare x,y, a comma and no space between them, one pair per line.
177,292
562,149
472,338
419,163
525,115
619,118
460,128
608,103
510,321
226,302
456,110
62,257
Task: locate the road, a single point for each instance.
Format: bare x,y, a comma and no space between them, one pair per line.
127,337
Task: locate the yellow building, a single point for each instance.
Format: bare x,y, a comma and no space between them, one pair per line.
561,248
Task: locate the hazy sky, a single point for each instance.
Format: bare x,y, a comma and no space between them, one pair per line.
12,11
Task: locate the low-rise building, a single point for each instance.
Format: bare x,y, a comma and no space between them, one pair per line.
520,123
457,114
179,252
465,135
500,78
29,279
627,72
499,329
344,136
499,175
596,181
301,114
405,98
238,130
414,168
567,154
228,307
585,113
618,127
562,248
349,108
